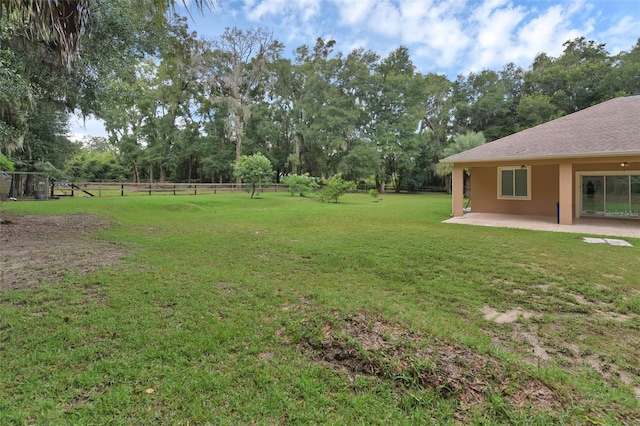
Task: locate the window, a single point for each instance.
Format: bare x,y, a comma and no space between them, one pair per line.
514,183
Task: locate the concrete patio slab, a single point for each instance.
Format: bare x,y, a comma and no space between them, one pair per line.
594,226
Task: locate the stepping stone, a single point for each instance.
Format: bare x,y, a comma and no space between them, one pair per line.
612,242
620,243
594,240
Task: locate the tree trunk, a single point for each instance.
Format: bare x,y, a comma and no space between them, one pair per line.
12,188
136,174
239,135
298,139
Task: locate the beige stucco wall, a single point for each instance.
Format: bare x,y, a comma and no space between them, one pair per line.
544,192
605,167
545,185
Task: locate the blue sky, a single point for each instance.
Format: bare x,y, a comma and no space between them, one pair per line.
444,36
448,37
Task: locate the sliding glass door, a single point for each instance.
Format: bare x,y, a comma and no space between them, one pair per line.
614,195
592,195
635,197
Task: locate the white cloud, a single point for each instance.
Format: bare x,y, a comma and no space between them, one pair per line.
494,23
303,10
354,12
257,10
292,19
385,19
622,35
307,8
435,30
451,35
546,33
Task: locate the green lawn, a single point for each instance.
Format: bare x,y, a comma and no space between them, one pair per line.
284,310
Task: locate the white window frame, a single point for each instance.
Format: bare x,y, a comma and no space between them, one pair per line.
514,197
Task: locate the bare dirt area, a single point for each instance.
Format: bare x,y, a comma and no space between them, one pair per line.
362,345
36,250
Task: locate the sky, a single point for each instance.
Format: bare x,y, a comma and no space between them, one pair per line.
449,37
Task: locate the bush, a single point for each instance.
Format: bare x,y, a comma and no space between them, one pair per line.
254,170
373,193
299,184
335,187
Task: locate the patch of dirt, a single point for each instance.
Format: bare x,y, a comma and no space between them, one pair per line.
607,309
39,249
365,346
530,336
512,315
569,354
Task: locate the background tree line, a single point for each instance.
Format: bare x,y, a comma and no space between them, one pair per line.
179,107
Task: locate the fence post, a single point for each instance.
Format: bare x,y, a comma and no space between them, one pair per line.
174,189
149,189
122,190
100,189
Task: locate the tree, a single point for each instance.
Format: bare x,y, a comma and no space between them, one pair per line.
582,77
16,101
5,164
487,101
299,184
253,169
334,188
535,109
396,112
239,70
62,24
460,143
625,78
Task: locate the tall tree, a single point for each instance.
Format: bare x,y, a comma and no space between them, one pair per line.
578,79
396,114
625,78
487,101
17,99
460,143
63,23
237,77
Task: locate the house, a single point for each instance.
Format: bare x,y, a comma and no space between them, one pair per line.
588,162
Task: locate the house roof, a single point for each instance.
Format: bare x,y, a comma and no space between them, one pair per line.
611,128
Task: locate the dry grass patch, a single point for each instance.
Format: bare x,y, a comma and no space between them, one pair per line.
41,249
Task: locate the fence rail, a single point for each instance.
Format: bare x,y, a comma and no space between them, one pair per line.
121,189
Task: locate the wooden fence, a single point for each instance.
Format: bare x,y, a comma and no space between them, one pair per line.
120,189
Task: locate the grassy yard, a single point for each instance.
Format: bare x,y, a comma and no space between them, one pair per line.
284,310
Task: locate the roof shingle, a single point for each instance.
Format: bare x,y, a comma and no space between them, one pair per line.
607,129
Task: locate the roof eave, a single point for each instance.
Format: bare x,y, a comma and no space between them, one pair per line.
547,157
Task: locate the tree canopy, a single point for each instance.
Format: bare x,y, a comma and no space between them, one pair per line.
180,107
254,170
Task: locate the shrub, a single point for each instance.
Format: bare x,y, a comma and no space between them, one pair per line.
335,187
255,170
299,184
